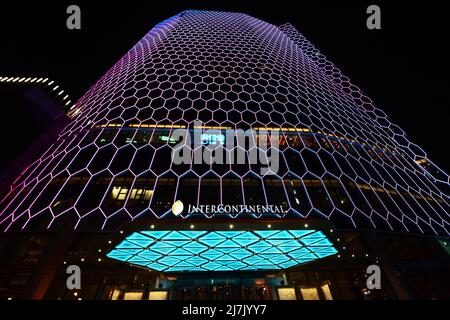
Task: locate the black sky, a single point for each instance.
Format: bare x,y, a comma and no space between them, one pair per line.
404,67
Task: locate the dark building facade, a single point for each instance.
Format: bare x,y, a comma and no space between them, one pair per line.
36,107
349,189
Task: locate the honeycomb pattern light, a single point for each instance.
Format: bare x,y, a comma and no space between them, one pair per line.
341,159
177,251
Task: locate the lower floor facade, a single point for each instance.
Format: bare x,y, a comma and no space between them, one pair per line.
34,265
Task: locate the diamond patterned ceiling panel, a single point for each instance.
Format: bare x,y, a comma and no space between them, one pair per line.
222,250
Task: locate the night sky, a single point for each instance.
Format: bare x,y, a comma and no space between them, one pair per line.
404,67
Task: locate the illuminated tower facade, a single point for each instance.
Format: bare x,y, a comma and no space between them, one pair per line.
342,165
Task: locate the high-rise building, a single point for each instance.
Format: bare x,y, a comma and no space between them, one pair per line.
347,190
37,106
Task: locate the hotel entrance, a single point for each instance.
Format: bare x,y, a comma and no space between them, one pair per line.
222,288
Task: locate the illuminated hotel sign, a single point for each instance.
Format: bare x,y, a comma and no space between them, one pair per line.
178,207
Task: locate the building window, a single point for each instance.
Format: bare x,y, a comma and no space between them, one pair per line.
158,295
316,292
115,294
309,293
326,291
141,194
286,294
133,295
119,193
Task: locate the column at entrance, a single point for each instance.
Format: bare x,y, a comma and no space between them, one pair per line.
49,263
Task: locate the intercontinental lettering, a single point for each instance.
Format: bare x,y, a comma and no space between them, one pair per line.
240,208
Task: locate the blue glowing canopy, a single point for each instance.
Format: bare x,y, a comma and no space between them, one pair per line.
177,251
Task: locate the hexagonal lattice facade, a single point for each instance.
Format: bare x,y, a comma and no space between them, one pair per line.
341,160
